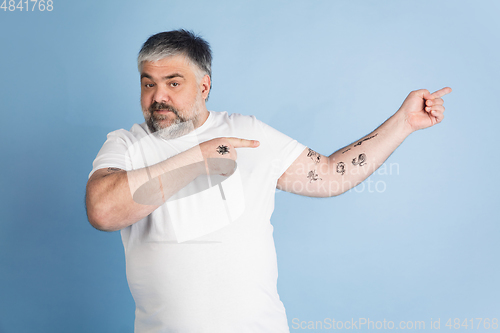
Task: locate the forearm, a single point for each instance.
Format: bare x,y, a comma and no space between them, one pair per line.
352,164
316,175
118,199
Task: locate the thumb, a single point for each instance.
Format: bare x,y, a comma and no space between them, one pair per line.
426,94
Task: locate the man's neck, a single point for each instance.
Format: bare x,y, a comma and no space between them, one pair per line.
202,118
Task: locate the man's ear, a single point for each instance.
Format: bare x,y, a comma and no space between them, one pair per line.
205,86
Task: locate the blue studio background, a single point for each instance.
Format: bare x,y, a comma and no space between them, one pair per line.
417,242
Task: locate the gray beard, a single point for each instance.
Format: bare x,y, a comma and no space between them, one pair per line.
175,130
179,127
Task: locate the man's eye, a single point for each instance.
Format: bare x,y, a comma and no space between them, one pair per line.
149,85
174,84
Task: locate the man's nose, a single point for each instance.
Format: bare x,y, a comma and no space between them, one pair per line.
161,94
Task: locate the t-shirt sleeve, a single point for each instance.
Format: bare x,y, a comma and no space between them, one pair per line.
114,152
284,150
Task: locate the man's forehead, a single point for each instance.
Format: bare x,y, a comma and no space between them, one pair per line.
177,63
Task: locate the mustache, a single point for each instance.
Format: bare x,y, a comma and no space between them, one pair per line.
155,106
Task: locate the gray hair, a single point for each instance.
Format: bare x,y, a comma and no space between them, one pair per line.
178,42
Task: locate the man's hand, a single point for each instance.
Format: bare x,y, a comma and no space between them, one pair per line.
421,109
220,154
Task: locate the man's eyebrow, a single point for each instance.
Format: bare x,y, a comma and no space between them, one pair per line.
168,77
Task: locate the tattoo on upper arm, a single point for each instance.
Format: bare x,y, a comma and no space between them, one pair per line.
312,175
346,150
314,156
341,168
223,149
368,138
360,160
111,171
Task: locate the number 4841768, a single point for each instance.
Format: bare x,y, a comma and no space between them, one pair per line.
487,323
39,5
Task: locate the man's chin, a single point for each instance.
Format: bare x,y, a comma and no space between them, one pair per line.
175,130
162,124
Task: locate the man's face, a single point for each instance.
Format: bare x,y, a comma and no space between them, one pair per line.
172,98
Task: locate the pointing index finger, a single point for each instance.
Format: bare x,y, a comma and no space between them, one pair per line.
441,92
243,143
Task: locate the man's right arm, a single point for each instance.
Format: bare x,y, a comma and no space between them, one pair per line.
117,198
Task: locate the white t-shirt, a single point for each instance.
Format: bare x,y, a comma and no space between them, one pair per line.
205,261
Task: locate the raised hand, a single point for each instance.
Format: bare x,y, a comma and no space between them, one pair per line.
421,109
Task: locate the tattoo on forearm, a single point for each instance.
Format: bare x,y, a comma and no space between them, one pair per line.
312,175
341,168
360,160
314,156
368,138
223,150
346,150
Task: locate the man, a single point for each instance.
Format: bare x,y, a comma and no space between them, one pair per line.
192,192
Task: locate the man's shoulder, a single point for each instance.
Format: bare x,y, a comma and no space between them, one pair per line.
137,131
235,117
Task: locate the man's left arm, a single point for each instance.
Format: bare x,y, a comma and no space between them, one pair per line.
315,175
